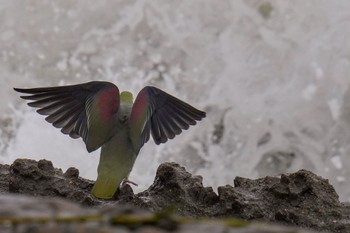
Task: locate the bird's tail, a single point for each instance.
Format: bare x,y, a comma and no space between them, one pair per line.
116,162
105,187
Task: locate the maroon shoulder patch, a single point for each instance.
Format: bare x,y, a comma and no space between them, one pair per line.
108,103
140,104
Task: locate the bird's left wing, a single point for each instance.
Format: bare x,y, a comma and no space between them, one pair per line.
85,110
161,114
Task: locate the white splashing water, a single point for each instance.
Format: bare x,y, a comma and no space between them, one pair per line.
272,76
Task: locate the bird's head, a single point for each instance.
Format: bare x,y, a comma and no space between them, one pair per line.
126,96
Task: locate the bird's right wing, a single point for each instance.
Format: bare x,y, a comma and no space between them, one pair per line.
85,110
161,114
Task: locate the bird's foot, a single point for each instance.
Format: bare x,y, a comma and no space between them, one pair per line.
127,181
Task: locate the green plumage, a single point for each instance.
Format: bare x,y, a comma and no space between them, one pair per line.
117,155
97,113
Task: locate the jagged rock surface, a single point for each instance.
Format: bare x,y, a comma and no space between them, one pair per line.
302,198
42,179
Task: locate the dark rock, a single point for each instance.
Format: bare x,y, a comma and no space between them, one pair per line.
42,179
173,185
314,189
301,199
71,172
4,178
47,166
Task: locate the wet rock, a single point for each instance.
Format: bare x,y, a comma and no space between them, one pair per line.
40,178
173,185
71,172
301,199
4,178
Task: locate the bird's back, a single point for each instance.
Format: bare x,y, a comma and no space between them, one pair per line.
117,157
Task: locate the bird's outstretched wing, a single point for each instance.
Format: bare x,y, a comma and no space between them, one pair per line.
157,112
85,110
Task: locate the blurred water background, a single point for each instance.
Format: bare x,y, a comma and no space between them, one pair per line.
273,76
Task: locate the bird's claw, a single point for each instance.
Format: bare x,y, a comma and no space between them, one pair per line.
127,181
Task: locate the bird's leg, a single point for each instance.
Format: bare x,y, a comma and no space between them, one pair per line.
127,181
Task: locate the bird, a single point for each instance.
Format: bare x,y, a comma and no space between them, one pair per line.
111,120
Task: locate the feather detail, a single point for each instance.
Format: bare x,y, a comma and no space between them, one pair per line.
79,110
160,114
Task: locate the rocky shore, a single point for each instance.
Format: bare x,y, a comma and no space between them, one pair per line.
37,197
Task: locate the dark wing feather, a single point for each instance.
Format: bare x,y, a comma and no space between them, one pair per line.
160,114
66,106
